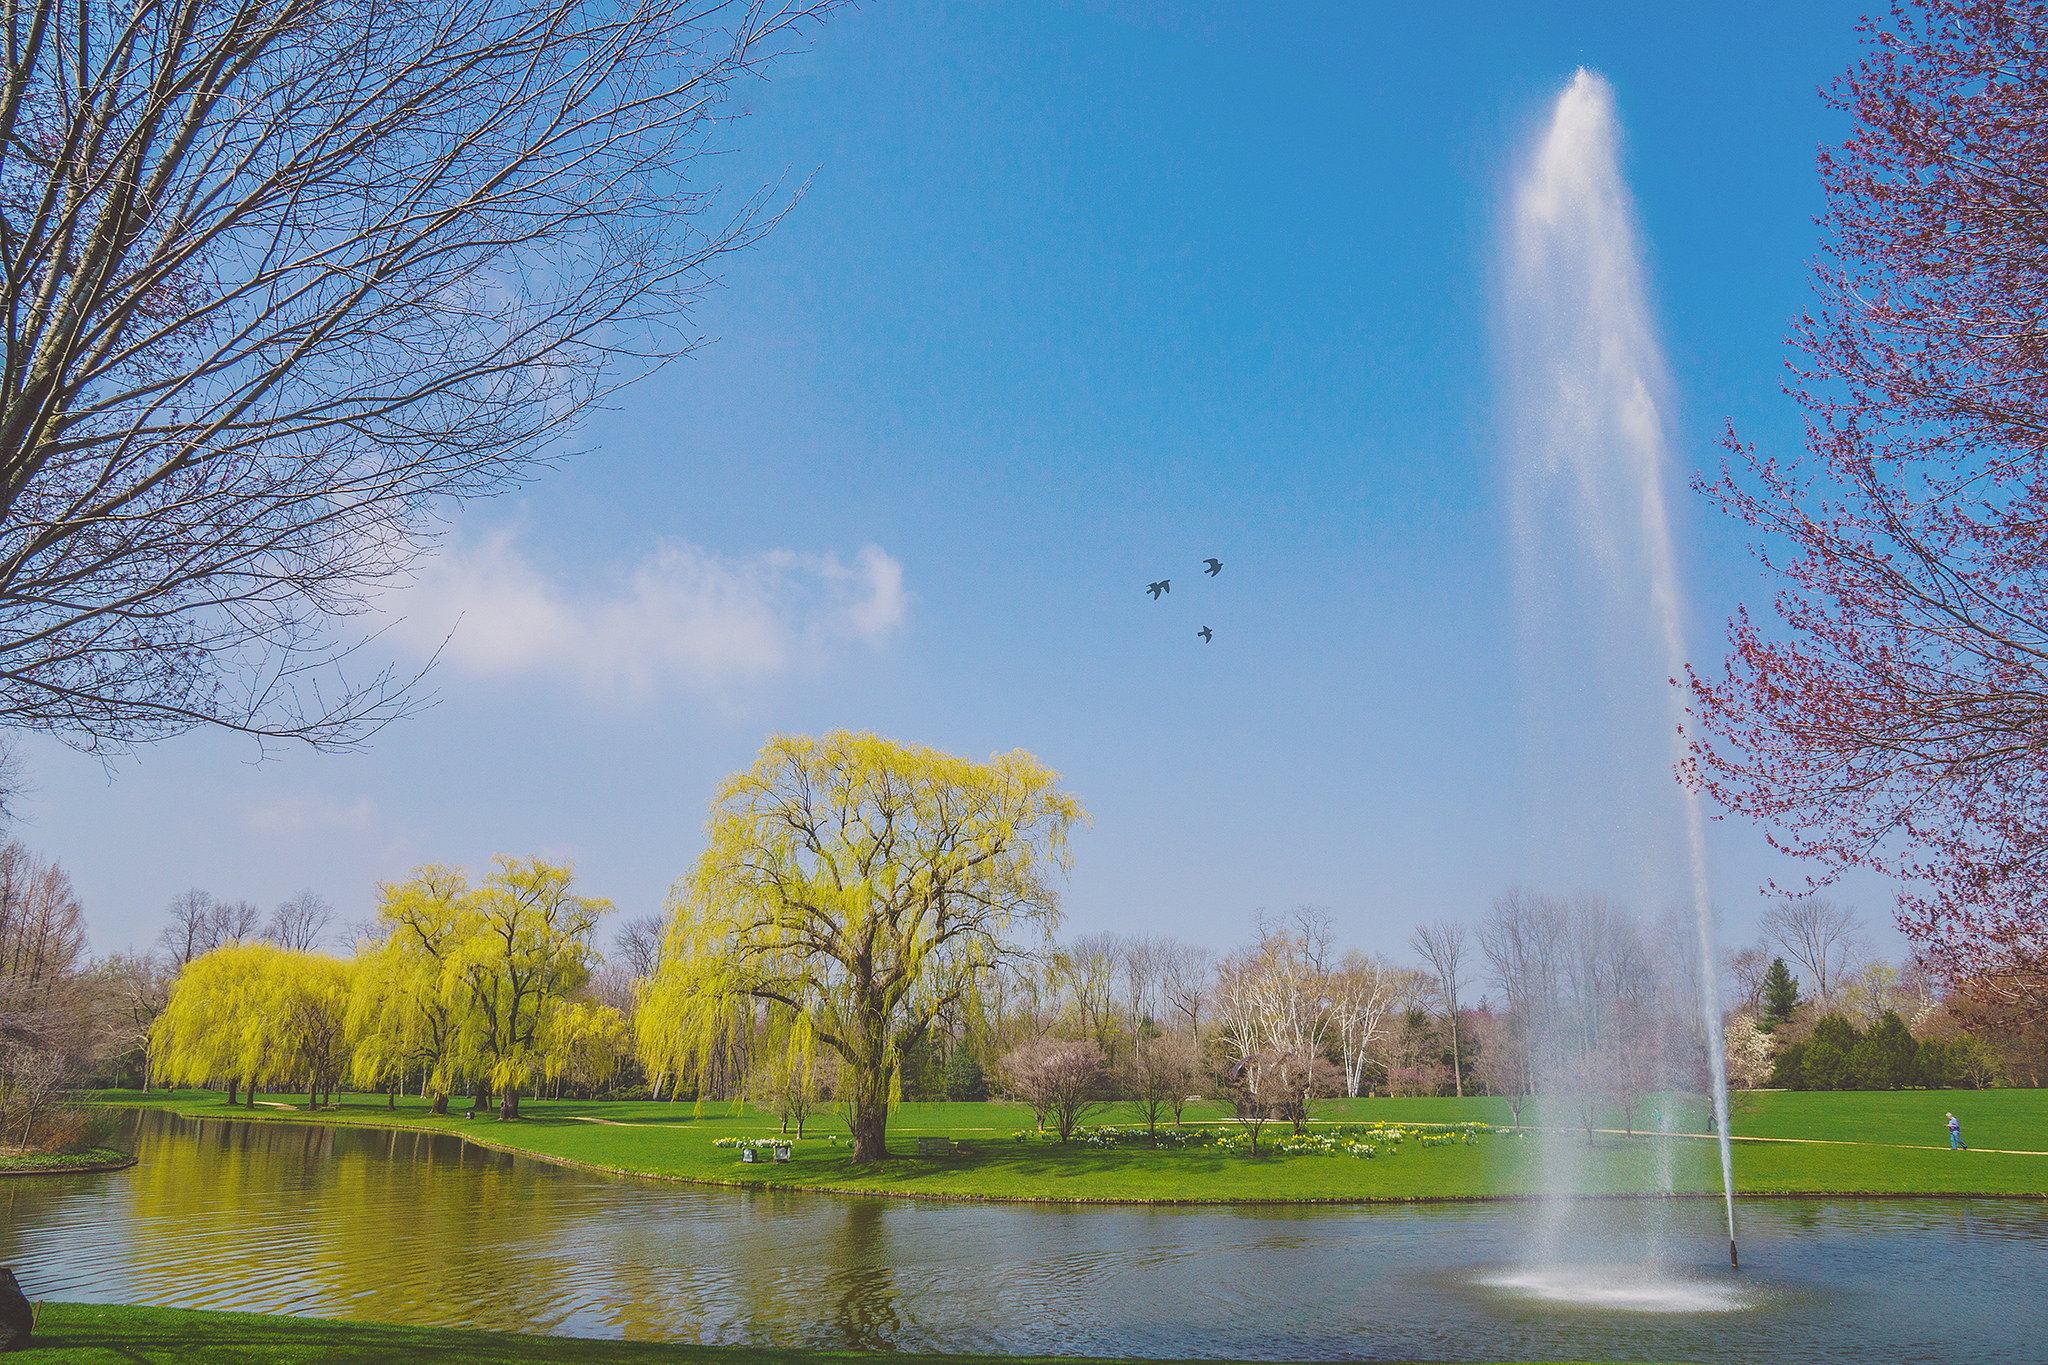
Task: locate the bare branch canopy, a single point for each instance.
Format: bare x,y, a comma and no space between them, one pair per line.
283,276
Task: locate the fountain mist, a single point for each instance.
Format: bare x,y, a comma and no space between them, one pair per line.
1597,580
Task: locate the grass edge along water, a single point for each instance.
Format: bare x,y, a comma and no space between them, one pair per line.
1851,1145
107,1334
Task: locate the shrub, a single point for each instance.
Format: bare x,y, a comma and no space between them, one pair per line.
76,1130
1885,1059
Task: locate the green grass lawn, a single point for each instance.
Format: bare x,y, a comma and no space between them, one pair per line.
1875,1143
91,1159
94,1334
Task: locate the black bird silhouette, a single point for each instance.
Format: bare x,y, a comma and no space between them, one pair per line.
1205,633
1163,585
1215,567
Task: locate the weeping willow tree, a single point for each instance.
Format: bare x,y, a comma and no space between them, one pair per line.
401,1015
520,946
258,1013
203,1034
859,887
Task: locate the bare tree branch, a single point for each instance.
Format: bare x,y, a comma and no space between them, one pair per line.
280,279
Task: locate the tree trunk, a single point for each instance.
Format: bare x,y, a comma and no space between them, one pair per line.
391,1099
483,1095
1457,1065
250,1103
869,1118
510,1108
440,1105
234,1088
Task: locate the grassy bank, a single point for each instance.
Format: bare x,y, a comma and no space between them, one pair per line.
1802,1144
94,1334
47,1163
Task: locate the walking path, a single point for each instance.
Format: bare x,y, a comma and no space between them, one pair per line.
1818,1142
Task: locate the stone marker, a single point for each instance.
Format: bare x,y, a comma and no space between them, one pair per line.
17,1319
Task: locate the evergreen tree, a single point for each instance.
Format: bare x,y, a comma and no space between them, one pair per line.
1781,995
1788,1068
1837,1030
1824,1067
1931,1066
1826,1063
964,1077
1885,1059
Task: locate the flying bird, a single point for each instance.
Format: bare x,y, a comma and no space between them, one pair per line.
1205,633
1215,567
1163,585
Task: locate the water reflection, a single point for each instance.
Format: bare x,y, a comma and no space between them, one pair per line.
422,1228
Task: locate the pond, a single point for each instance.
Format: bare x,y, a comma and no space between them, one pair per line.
425,1229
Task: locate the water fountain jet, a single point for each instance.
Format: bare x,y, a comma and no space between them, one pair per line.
1586,391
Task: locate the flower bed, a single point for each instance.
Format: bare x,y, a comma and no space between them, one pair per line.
1364,1141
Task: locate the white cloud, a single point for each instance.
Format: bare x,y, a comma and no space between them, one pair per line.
681,617
297,813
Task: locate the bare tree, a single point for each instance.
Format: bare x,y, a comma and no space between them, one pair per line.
639,944
1187,978
1822,937
235,921
1362,991
48,1032
1442,947
1746,968
1507,1062
1589,1016
1141,967
1163,1071
281,277
1262,1088
1273,1000
1094,963
133,989
190,931
301,922
199,924
1059,1078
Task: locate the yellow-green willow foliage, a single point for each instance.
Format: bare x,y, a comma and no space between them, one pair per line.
199,1038
403,1015
521,944
259,1015
860,886
465,982
476,983
582,1040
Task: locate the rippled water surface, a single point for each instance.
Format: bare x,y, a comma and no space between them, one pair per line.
423,1229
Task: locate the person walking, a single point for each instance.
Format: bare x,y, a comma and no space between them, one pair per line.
1955,1135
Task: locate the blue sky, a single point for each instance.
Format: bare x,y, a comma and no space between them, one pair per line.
1078,296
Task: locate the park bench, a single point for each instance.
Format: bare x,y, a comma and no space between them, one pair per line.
935,1146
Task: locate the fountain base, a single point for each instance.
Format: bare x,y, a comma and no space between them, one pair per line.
1620,1289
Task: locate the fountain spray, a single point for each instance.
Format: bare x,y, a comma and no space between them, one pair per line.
1588,372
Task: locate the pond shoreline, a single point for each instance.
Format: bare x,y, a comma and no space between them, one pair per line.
164,1336
485,1143
76,1168
351,1222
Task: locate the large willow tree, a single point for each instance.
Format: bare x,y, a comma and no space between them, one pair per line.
258,1013
859,887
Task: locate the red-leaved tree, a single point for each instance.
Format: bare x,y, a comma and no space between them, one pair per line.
1899,719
